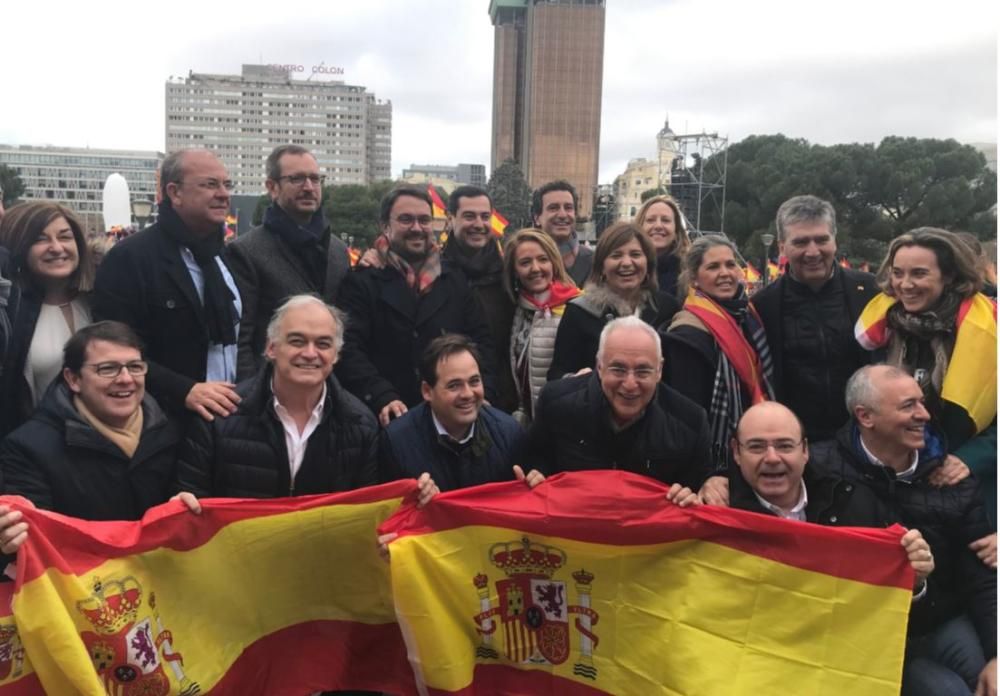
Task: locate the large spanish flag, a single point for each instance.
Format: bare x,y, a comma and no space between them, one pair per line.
251,597
594,583
17,678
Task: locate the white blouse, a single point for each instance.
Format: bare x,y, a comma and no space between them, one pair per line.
45,356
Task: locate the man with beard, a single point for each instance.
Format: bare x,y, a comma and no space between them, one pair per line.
472,248
292,252
170,283
809,315
553,207
395,311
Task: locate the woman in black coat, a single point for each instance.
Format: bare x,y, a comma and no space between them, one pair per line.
660,219
622,283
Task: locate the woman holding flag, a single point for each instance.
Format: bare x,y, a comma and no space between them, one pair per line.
932,321
715,350
540,287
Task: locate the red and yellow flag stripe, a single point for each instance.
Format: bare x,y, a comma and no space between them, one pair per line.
593,583
281,596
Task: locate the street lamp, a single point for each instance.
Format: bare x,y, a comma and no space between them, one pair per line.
767,238
142,208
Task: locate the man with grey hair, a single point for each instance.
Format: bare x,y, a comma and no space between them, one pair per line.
621,416
291,252
879,472
809,315
170,283
296,431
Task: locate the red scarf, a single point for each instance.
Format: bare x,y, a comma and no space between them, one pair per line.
559,294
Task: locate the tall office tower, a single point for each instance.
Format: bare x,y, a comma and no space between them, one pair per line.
75,176
548,60
244,117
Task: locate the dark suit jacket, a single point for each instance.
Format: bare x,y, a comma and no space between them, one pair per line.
144,283
268,272
389,326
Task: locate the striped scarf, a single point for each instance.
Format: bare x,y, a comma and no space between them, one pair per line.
419,279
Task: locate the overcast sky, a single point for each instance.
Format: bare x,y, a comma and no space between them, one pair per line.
84,74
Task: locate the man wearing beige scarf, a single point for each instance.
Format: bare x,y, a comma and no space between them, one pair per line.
98,447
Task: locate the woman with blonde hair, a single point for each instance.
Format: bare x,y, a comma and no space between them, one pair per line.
660,219
622,283
52,274
540,287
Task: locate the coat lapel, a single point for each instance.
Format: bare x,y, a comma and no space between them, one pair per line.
176,270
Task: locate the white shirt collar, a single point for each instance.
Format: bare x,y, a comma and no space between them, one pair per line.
798,511
903,475
441,430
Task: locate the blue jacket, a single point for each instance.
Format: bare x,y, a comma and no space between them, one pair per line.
411,445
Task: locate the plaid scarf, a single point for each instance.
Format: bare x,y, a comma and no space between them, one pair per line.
419,278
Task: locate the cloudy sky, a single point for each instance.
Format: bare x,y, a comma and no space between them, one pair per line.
850,71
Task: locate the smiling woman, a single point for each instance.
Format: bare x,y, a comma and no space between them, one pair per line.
52,271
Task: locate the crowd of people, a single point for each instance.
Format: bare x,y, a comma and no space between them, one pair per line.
177,366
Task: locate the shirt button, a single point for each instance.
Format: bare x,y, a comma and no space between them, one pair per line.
171,304
849,488
833,518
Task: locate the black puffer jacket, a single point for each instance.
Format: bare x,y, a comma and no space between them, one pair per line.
61,463
585,317
572,432
855,493
244,455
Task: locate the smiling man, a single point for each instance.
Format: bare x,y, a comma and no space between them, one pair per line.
170,283
297,431
809,315
397,308
291,252
454,435
98,447
553,207
621,416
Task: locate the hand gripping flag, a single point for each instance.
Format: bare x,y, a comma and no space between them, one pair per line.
270,597
593,583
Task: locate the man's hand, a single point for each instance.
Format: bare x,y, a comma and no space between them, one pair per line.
986,549
532,478
383,545
426,489
393,409
208,398
371,259
682,496
987,684
582,371
13,532
715,491
919,553
189,500
951,472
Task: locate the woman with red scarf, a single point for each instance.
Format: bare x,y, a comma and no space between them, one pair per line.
716,351
539,285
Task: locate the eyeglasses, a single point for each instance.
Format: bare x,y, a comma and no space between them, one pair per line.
761,446
110,370
407,220
641,374
215,184
299,179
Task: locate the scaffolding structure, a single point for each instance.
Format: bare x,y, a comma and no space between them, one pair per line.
698,179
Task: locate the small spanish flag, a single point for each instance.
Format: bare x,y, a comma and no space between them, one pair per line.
498,223
844,263
438,207
751,273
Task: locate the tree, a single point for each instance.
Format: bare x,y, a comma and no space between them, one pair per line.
11,184
352,210
511,194
649,193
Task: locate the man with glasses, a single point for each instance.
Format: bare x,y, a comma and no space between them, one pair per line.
98,447
621,416
396,310
170,283
879,472
290,253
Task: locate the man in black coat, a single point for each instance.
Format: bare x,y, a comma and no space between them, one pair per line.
171,285
296,431
454,436
621,416
292,252
98,447
879,472
809,315
396,310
